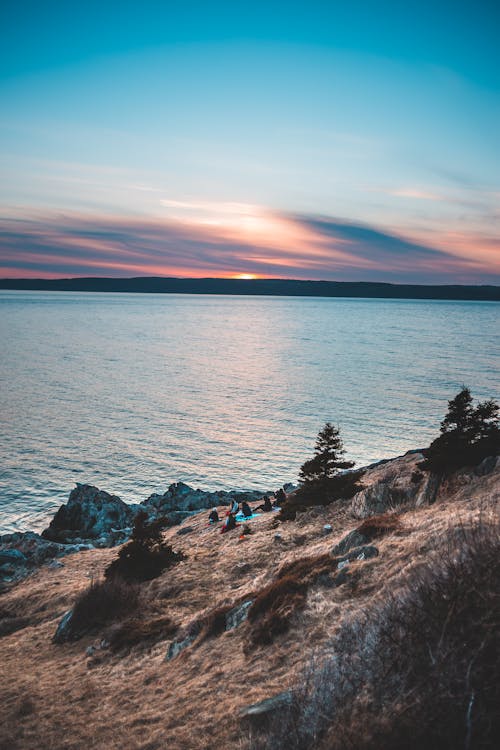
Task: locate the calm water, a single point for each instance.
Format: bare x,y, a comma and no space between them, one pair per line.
132,392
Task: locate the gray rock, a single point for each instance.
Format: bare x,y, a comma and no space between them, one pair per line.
367,552
12,556
341,577
181,497
237,615
389,484
258,714
64,631
89,514
487,466
185,530
353,539
176,647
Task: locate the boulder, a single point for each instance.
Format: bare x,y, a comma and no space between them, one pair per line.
181,497
90,513
64,631
177,646
237,615
353,539
394,483
258,714
366,552
487,466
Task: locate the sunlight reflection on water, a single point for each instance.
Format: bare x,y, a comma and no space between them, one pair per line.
132,392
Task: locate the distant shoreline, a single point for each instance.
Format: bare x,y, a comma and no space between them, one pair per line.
258,287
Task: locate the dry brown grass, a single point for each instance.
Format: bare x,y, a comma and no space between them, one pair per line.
142,631
376,526
134,699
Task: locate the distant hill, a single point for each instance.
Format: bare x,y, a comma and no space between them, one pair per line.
267,287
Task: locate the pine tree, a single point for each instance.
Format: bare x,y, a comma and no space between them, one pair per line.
468,434
322,478
328,453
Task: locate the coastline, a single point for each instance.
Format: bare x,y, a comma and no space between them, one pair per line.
259,287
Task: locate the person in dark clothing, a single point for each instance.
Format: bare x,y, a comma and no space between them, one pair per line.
246,510
266,506
229,523
280,496
214,516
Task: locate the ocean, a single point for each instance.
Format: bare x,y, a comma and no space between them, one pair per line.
131,392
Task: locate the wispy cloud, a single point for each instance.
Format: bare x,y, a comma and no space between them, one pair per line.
228,239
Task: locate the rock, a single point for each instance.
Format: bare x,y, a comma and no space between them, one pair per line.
90,513
367,552
181,497
56,564
237,615
258,714
12,556
185,530
353,539
64,632
341,577
176,647
21,552
389,484
487,466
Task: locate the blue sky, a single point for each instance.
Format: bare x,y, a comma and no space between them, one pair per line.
242,130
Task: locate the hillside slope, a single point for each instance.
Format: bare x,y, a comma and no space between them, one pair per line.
79,694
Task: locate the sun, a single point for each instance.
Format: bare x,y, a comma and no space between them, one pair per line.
247,276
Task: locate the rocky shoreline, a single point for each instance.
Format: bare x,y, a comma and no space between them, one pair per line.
93,518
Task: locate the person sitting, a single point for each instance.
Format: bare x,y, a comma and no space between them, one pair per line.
214,516
234,507
246,510
229,523
267,506
280,497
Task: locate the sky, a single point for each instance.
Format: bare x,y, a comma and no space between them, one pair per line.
316,140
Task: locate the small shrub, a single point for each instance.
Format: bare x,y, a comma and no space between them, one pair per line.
308,569
273,608
377,526
102,603
416,476
146,555
140,630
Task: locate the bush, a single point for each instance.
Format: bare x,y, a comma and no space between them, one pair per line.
321,492
308,569
102,603
146,555
273,608
377,526
419,669
143,631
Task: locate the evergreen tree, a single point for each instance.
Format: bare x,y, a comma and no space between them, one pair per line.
468,434
327,460
323,478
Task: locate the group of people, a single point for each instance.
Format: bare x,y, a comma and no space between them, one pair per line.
230,523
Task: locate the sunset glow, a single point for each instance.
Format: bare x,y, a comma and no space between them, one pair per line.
328,143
